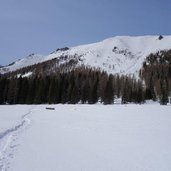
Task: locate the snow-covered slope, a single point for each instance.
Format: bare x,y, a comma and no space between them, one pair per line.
120,54
21,63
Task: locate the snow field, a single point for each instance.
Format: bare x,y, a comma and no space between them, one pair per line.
13,122
92,138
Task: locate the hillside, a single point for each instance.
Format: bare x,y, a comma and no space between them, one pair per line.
121,54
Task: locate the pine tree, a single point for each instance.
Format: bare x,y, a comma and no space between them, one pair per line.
85,91
12,91
101,86
126,91
19,85
164,93
108,92
39,92
31,90
53,91
140,94
3,85
93,97
23,91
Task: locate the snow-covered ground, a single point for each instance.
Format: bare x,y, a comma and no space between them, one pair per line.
85,138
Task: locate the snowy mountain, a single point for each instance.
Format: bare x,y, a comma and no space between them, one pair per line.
120,54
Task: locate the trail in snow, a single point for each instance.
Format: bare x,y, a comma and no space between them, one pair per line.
96,138
8,141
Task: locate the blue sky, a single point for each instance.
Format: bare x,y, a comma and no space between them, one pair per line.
41,26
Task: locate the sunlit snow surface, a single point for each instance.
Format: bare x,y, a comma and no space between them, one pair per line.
120,54
85,138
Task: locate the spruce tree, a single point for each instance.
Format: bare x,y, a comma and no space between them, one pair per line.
108,91
31,90
164,93
53,91
85,91
3,86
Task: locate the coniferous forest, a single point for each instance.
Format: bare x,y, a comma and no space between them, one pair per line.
80,85
156,73
87,85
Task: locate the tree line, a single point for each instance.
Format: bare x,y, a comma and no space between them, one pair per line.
156,72
82,85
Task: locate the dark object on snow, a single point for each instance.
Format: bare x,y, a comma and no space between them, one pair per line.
50,108
160,37
114,49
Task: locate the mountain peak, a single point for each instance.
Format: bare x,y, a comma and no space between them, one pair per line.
119,54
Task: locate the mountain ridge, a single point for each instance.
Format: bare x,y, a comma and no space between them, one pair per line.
117,55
